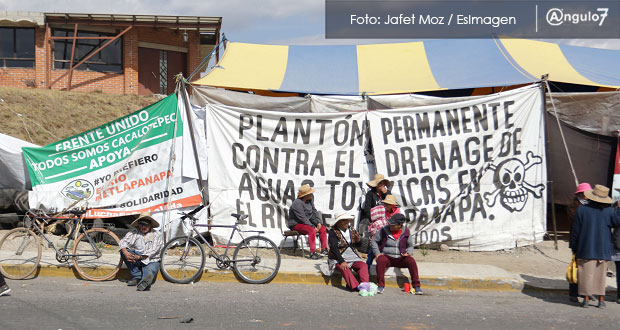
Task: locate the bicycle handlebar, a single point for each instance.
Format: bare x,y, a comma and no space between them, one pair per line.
41,213
77,212
191,214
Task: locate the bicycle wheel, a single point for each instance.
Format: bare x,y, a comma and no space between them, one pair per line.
181,262
256,260
20,253
98,262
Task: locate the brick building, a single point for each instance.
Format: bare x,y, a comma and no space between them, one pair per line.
123,54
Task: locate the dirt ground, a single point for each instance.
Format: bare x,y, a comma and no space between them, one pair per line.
59,242
541,259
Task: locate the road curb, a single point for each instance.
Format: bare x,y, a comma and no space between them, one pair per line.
532,288
431,282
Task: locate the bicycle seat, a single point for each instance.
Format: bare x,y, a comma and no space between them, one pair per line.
239,216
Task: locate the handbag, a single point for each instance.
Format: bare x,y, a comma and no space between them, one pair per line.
571,271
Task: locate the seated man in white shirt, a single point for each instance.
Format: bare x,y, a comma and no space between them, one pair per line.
140,251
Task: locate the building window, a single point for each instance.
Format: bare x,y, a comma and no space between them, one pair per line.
109,59
17,47
163,72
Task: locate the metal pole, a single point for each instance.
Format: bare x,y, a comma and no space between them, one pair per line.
550,182
191,130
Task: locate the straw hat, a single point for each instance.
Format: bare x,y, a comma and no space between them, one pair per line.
145,216
390,199
599,194
583,187
304,190
378,178
340,216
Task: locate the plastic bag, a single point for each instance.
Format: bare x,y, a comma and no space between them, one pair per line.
371,291
571,271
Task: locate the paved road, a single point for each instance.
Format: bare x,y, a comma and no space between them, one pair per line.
58,303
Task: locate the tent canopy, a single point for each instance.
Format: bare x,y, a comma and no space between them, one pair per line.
12,167
410,67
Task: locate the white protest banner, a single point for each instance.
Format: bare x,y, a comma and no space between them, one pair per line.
615,193
475,170
259,159
119,168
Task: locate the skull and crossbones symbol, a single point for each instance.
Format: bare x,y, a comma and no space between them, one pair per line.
511,188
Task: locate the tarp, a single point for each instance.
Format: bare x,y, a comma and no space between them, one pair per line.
591,112
588,121
203,95
259,159
471,173
123,167
410,67
597,113
615,192
12,167
592,156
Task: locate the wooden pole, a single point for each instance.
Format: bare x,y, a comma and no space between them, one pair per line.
48,56
549,182
190,125
93,53
75,31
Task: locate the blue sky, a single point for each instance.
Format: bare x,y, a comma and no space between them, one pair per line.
254,21
284,22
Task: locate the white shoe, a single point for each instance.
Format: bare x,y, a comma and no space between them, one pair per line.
4,290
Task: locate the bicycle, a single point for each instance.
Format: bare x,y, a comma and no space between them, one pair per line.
93,252
255,260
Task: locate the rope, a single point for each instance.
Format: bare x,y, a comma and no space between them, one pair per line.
570,162
511,60
25,127
21,117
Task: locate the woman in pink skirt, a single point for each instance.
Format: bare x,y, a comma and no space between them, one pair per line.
591,242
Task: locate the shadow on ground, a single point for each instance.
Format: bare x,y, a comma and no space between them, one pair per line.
555,290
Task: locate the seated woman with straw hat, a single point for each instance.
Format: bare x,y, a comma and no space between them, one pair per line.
591,242
304,218
379,188
342,255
